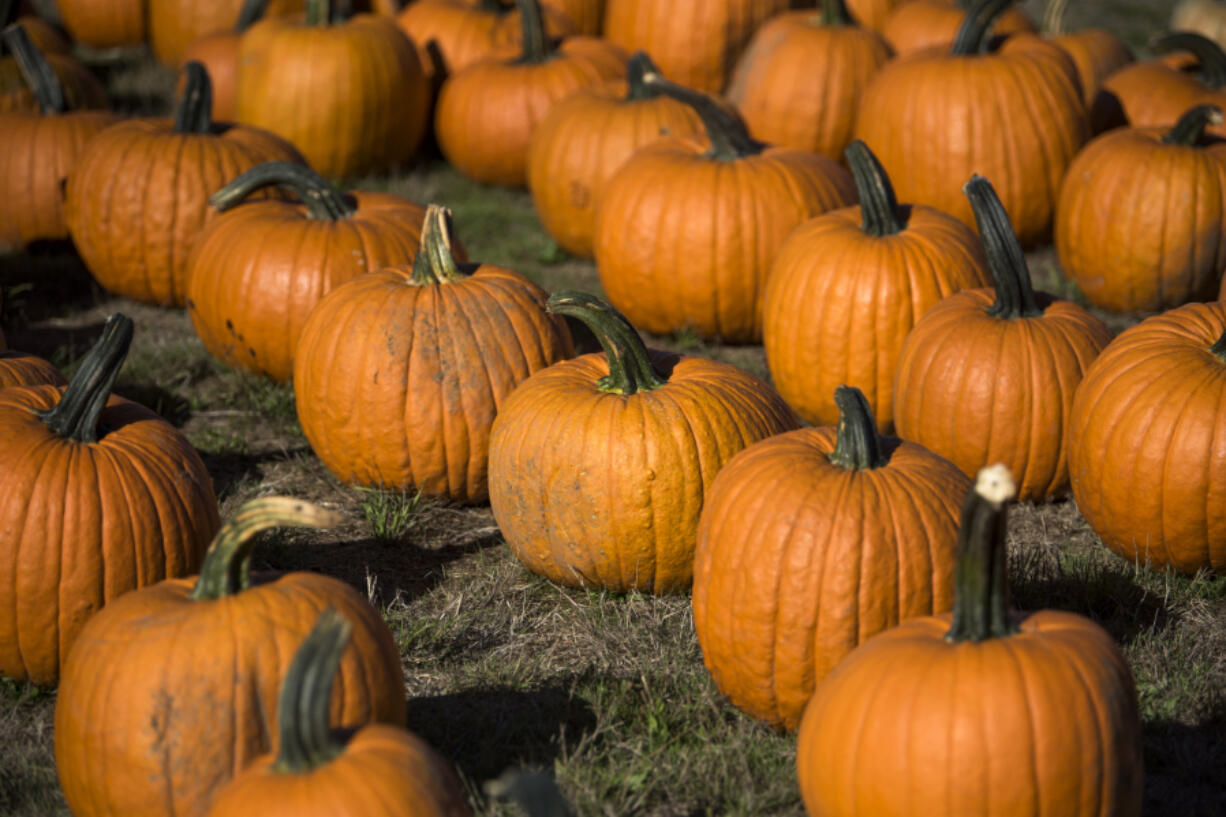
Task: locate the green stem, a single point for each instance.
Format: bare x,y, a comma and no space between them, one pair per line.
227,564
536,45
1053,18
857,444
318,12
36,70
251,11
1209,55
878,205
306,739
1219,348
981,579
194,111
1006,261
1191,126
630,367
76,415
435,263
730,139
834,13
973,35
639,66
321,199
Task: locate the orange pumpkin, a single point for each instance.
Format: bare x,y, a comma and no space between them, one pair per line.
587,16
173,25
218,53
1096,52
923,24
1157,92
104,23
25,369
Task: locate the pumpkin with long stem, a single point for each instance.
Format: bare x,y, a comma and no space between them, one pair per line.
104,23
218,53
1008,714
173,25
600,466
1097,52
200,661
1157,92
918,25
810,543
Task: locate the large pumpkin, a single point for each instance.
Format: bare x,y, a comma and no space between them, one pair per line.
104,23
811,542
99,496
982,712
198,662
600,466
176,24
922,24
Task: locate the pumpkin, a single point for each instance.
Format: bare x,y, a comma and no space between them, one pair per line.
600,466
848,285
988,375
1157,92
379,771
487,112
218,53
585,138
81,89
811,542
798,83
1141,222
38,149
256,272
104,23
42,34
937,118
923,24
394,402
1007,713
199,661
138,194
688,227
1204,17
587,16
872,14
173,25
1097,52
1146,442
99,495
24,369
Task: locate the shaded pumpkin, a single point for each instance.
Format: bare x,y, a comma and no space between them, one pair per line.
988,375
810,543
218,53
922,24
205,656
25,369
1157,92
100,496
1014,714
1096,52
45,37
104,23
173,25
80,87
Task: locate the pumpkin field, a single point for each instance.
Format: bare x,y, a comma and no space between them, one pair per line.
549,666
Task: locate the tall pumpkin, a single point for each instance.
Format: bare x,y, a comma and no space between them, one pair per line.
176,24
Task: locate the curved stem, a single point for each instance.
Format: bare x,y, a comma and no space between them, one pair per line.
857,444
194,111
321,199
878,204
973,35
251,11
1209,55
318,12
36,70
630,368
1006,261
306,739
1191,126
1053,18
981,579
536,47
639,66
435,263
729,136
227,564
76,415
1218,349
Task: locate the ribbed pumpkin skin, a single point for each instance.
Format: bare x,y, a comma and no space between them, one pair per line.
934,120
257,271
798,84
1147,442
920,24
595,489
24,369
104,23
581,142
195,669
1141,225
85,523
81,88
137,198
839,303
397,385
683,240
37,153
799,560
1039,724
176,24
352,96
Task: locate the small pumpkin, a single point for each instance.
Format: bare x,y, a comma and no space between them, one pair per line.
1204,17
25,369
104,23
1157,92
918,25
1097,52
173,25
1013,714
218,53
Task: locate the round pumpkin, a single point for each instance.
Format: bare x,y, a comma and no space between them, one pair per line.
25,369
1205,17
918,25
1096,52
173,25
600,466
199,661
104,23
218,53
1157,92
1007,714
847,287
811,542
100,496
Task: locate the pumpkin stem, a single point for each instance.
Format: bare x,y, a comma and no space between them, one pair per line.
730,139
1209,55
306,736
194,112
36,70
1219,348
834,13
1191,126
251,11
537,48
320,198
318,12
857,444
973,35
1006,261
981,579
878,204
1053,18
227,564
76,415
435,263
630,367
638,67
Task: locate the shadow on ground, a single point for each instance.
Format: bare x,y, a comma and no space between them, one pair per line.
1185,769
